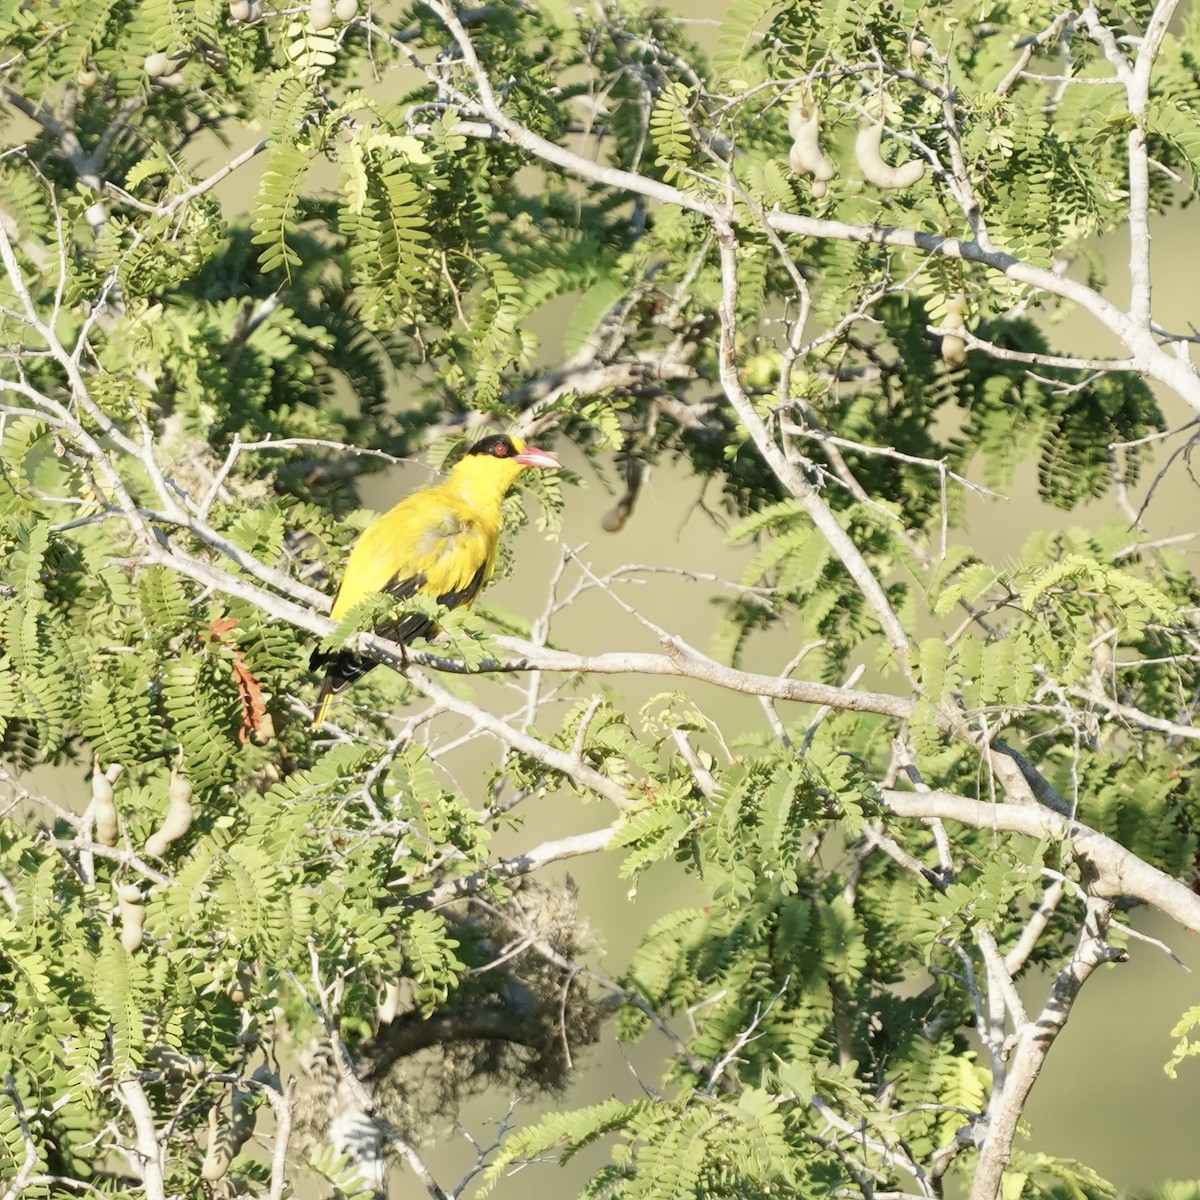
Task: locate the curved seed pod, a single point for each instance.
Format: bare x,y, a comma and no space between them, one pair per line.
104,811
871,162
918,47
129,903
226,1139
88,77
805,156
178,819
345,10
239,10
819,188
320,14
171,1062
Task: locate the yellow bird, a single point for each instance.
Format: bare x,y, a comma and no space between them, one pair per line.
440,541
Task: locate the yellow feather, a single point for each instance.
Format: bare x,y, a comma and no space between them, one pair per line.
444,535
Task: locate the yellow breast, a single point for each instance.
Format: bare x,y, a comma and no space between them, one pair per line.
438,536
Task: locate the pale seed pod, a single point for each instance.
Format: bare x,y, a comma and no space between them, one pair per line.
172,1062
954,350
799,117
178,819
614,520
104,811
133,914
88,77
216,1157
320,14
158,64
954,347
239,10
918,47
264,732
875,169
226,1139
175,79
819,188
387,1007
131,930
242,984
345,10
805,156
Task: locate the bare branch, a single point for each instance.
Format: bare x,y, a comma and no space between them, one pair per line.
146,1156
520,864
1033,1042
822,517
1120,872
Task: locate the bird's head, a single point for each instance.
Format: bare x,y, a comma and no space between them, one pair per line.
492,464
512,450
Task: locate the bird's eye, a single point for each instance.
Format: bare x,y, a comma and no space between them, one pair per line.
500,449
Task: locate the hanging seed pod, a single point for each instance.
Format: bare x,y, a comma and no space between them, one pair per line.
178,819
264,732
614,520
875,168
226,1138
806,156
171,1062
242,984
345,10
133,914
159,64
954,347
320,14
104,810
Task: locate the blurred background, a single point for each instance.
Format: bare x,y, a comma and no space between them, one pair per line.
1104,1098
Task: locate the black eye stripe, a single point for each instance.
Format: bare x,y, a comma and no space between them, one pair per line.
498,446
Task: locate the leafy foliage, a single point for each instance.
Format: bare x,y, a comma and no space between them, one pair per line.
193,386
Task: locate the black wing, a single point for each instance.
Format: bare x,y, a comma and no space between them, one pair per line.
345,666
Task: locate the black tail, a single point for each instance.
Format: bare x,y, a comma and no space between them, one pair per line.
342,670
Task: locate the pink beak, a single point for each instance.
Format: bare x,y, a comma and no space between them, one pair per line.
531,456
